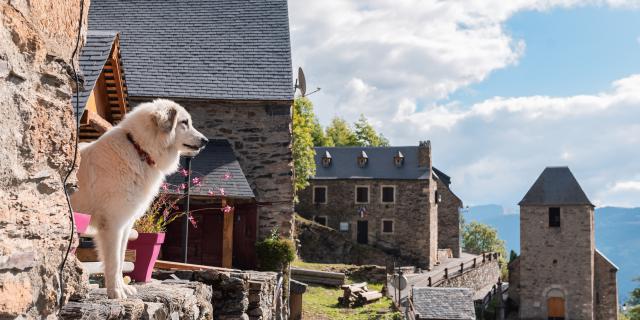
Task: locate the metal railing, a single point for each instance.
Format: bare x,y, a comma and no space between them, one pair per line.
464,267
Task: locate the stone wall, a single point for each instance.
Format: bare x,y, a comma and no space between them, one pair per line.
326,245
514,281
260,134
413,214
36,138
238,294
448,219
606,289
556,261
478,278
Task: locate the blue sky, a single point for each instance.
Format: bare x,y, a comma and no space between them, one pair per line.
501,88
568,52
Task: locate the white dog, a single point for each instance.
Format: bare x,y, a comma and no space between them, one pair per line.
120,175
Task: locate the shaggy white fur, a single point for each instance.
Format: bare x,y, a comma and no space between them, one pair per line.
116,184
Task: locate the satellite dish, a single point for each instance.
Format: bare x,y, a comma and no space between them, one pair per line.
400,282
301,82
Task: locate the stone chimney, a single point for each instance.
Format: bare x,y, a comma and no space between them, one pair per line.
424,154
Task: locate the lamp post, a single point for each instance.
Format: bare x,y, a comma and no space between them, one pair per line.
185,222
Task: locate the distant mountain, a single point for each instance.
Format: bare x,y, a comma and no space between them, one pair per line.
617,236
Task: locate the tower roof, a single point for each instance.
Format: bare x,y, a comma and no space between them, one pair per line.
555,186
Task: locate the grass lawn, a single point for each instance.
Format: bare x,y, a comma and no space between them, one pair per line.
321,302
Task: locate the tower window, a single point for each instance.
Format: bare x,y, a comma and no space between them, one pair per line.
320,195
554,217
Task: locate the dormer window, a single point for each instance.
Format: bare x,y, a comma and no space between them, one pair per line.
363,159
326,160
398,159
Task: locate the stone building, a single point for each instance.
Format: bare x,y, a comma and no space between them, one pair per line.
560,274
229,64
388,197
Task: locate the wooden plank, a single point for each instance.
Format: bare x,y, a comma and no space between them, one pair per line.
227,237
317,273
97,122
171,265
117,76
91,255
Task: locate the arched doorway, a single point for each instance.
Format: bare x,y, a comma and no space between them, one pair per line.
555,308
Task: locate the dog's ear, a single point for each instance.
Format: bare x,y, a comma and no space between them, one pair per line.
165,118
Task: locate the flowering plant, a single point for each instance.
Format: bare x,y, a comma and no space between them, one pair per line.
165,209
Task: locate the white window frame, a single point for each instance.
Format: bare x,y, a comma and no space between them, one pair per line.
382,193
326,194
326,219
393,226
355,196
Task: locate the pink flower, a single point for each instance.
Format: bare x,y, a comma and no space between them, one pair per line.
165,187
184,172
210,192
183,186
226,209
196,181
165,213
193,221
227,176
221,190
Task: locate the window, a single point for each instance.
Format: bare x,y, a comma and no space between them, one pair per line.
319,194
398,159
554,217
387,226
363,159
321,220
388,194
344,226
326,160
362,194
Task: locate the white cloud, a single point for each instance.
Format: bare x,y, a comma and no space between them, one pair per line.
394,59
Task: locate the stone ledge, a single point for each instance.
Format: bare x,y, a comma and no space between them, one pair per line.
168,299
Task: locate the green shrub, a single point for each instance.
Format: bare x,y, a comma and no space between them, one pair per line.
275,253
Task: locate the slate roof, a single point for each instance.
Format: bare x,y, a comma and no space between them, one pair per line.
380,164
444,303
211,165
555,186
208,49
93,57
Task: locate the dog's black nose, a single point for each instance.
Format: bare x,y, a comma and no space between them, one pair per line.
203,141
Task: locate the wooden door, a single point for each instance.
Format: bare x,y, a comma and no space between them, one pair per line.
363,232
245,234
555,308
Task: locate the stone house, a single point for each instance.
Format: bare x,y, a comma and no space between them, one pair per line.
229,64
559,273
389,197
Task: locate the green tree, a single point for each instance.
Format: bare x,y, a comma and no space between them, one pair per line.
633,303
478,238
320,139
340,133
367,136
512,256
302,147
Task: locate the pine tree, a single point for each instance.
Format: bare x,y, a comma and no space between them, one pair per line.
367,136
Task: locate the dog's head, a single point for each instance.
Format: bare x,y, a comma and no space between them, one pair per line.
165,124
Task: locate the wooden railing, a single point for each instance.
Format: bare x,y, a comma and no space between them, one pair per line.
464,267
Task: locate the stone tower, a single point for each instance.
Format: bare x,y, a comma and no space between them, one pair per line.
557,249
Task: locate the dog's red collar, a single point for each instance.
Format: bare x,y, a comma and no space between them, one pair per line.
144,156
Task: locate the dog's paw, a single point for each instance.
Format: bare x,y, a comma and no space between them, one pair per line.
129,290
116,293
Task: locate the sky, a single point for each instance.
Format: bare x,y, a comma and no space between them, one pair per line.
501,88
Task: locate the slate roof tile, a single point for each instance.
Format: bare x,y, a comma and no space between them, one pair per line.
555,186
444,303
211,49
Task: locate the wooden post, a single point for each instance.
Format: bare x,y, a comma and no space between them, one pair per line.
185,221
474,262
117,77
227,237
429,281
446,273
461,267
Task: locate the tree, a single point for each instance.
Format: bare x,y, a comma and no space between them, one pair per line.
302,146
512,256
633,303
478,238
367,136
340,133
320,139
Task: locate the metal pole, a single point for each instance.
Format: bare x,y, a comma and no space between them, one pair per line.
185,223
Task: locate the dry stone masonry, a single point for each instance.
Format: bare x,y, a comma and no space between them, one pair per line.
36,135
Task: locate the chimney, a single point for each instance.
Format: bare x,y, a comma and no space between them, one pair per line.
424,154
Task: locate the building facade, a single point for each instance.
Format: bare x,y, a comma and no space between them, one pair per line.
560,274
381,196
229,64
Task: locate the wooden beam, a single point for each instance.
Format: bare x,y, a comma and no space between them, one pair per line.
227,240
171,265
97,122
117,76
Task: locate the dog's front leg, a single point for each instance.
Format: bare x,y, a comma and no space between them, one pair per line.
109,244
128,289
